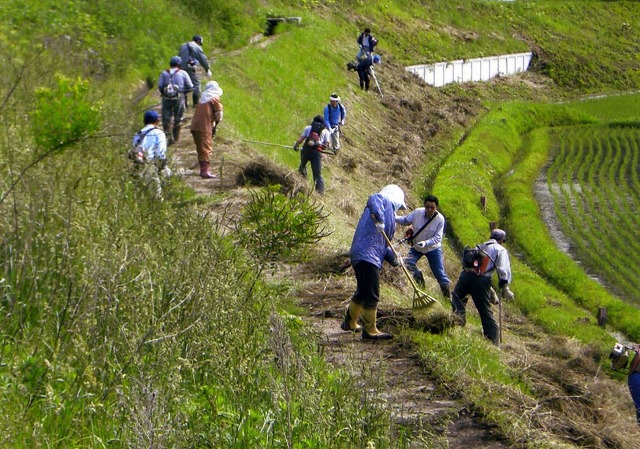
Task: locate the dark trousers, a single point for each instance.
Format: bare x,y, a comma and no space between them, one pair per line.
315,157
634,388
193,74
478,287
364,78
367,285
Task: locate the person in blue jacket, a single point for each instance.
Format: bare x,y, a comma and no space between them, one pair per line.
334,117
368,251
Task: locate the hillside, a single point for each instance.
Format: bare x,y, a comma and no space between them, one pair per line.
214,355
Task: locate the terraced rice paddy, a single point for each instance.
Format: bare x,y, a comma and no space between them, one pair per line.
593,179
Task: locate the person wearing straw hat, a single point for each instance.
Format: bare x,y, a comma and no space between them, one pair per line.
204,125
477,283
334,117
369,250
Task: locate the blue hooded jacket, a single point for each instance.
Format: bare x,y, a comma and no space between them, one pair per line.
368,244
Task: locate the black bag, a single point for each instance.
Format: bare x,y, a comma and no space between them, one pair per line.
314,135
475,259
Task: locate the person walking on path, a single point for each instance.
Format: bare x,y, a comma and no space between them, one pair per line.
368,251
334,117
427,225
174,85
191,54
364,69
152,144
477,283
204,125
366,42
316,138
634,380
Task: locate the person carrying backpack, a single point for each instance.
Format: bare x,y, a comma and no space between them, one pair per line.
426,240
173,84
192,55
150,145
334,117
475,280
316,139
364,69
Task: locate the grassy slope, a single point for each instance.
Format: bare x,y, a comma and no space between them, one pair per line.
264,106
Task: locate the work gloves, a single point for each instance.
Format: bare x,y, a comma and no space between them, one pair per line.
295,146
380,227
507,294
494,296
396,262
209,73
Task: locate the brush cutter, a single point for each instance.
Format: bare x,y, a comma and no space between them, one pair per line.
376,80
282,146
421,300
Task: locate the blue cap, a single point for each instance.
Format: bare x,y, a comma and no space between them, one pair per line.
197,38
150,117
175,61
376,59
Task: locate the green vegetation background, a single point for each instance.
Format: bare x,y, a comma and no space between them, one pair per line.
126,323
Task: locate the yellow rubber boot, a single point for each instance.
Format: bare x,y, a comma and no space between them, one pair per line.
371,331
351,316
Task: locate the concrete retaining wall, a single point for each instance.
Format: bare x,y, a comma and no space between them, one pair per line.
479,69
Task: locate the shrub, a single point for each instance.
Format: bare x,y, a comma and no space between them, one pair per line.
275,226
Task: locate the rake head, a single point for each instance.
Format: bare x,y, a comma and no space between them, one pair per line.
421,300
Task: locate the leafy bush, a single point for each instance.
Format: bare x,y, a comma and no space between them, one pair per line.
64,114
275,226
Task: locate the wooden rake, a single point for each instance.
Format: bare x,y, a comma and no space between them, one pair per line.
421,300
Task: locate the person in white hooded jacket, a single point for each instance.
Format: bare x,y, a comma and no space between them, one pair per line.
427,227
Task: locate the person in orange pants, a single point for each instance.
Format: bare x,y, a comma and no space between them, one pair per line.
204,124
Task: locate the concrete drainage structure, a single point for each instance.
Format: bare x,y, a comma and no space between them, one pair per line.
478,69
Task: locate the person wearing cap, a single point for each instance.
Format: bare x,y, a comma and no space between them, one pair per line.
366,42
364,69
428,225
204,125
478,285
316,138
174,85
191,54
153,142
369,250
334,117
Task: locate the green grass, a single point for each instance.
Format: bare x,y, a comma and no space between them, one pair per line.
125,321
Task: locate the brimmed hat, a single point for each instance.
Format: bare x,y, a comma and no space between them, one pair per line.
395,195
334,97
498,234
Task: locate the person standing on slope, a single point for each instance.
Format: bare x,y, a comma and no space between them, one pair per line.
316,139
174,85
191,54
369,250
477,283
428,225
334,117
204,125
